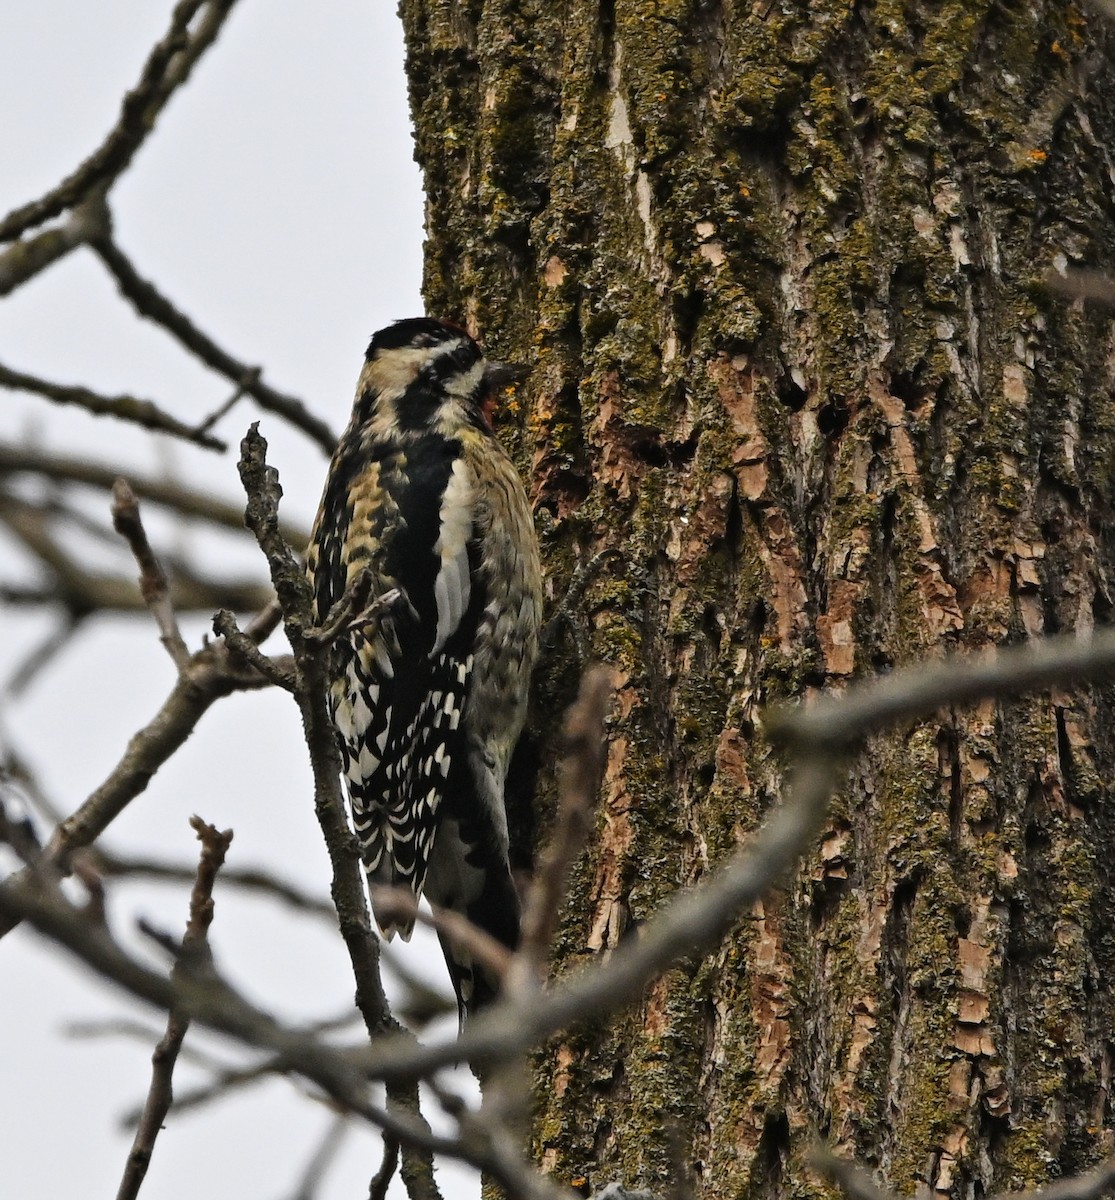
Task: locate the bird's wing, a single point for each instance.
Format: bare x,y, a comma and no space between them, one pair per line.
401,678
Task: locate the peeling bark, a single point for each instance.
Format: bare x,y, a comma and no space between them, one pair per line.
778,270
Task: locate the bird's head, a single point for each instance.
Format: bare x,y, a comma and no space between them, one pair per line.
421,374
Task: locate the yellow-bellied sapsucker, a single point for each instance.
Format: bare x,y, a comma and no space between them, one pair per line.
429,694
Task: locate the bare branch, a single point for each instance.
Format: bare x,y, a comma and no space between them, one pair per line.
858,1184
149,302
399,903
321,1160
249,879
581,768
152,579
24,260
43,652
160,1095
841,723
855,1182
1089,1186
207,678
694,922
239,643
135,411
353,611
174,496
381,1180
82,592
261,485
222,410
168,66
1094,287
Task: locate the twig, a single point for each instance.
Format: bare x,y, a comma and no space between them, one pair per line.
222,410
1089,1186
81,592
381,1180
207,678
182,500
353,610
149,302
261,486
125,408
226,1081
838,724
399,903
581,768
321,1159
152,579
280,674
214,846
1096,287
858,1184
251,879
24,260
855,1182
139,1031
168,66
695,920
43,653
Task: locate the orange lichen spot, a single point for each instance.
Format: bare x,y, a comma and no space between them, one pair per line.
1037,156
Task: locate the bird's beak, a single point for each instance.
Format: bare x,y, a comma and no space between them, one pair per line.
498,375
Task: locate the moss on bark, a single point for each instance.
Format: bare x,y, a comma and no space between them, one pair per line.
777,269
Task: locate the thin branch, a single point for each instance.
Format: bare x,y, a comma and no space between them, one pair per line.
858,1184
381,1180
249,879
853,1180
141,1032
135,411
24,260
174,496
149,302
321,1159
581,769
261,486
160,1095
43,653
1089,1186
207,678
353,611
239,643
399,904
226,1082
837,724
206,998
222,410
695,921
82,592
168,66
152,579
1094,287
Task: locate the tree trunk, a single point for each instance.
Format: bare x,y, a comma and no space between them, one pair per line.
779,271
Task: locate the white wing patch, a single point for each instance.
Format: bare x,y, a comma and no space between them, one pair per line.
453,585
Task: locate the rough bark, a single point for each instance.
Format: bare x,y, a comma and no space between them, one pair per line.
778,269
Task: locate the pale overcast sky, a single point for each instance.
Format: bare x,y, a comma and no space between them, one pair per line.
277,203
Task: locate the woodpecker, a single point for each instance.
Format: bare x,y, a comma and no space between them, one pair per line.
429,693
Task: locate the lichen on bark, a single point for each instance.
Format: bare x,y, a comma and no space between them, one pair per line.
778,271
